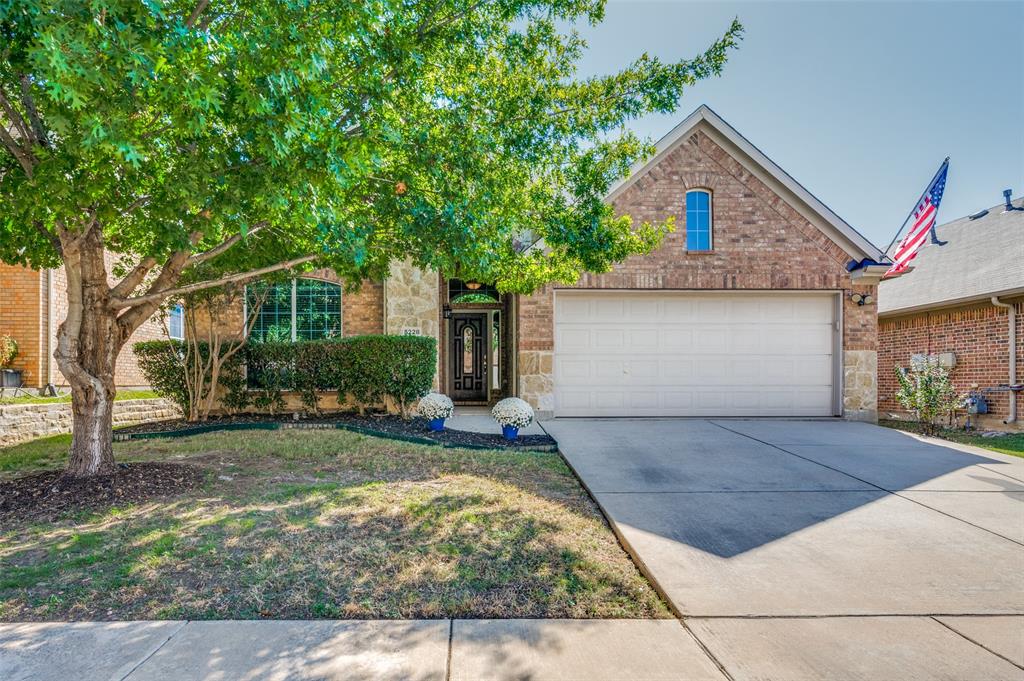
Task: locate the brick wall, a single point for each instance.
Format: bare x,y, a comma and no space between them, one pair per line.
979,336
363,310
760,242
21,294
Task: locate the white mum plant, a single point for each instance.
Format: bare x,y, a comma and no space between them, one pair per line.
435,406
514,412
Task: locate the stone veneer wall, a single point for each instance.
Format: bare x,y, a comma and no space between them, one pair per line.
860,385
760,243
22,422
412,303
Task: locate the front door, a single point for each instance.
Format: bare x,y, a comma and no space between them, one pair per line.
469,357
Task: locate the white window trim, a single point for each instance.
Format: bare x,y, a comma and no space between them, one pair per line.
171,312
711,218
293,280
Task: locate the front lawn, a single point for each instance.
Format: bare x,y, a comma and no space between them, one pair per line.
38,399
1012,444
319,524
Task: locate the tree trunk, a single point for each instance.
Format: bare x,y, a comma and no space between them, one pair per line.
88,343
92,451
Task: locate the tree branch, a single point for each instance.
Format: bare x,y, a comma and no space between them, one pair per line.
159,296
33,113
197,12
169,274
19,121
142,200
200,258
132,280
23,157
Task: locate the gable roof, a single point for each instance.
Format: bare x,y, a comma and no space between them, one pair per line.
762,167
982,258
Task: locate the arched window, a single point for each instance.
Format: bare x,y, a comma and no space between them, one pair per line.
698,220
300,309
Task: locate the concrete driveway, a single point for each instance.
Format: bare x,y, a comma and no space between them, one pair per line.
818,549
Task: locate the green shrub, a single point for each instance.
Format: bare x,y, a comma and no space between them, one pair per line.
925,390
370,369
367,368
162,363
374,367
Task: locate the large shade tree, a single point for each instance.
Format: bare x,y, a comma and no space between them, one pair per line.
270,135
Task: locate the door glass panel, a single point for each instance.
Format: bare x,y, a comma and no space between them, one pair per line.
495,350
467,350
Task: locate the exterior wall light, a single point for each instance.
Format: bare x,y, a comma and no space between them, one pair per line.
861,299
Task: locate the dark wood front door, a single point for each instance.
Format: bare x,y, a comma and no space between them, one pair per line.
469,357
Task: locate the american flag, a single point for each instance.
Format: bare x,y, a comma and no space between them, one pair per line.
924,219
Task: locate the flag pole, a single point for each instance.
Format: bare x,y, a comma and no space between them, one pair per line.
916,204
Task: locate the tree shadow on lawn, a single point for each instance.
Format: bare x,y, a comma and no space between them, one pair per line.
263,545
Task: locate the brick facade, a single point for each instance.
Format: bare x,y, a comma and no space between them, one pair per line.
24,311
21,298
979,336
760,243
362,310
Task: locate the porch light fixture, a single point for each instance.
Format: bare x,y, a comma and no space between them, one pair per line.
861,299
473,285
446,309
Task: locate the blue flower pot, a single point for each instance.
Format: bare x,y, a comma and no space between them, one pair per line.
510,432
436,424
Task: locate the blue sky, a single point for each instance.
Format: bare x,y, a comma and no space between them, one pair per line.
860,102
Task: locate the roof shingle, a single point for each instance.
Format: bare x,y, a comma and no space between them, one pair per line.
982,258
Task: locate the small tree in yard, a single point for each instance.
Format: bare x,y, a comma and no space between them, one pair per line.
268,136
925,390
212,338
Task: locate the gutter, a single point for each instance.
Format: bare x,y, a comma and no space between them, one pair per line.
951,302
1012,335
49,328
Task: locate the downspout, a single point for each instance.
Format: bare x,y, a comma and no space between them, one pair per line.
1012,334
49,328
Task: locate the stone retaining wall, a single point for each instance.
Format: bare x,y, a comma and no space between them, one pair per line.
22,422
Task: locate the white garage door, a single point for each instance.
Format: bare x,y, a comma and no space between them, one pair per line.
694,354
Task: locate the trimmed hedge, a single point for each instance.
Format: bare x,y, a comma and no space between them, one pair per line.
367,368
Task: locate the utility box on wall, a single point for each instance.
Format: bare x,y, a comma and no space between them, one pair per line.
946,360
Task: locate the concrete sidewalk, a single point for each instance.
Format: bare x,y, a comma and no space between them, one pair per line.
587,650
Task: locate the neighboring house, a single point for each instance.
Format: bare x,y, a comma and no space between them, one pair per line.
33,303
747,309
953,304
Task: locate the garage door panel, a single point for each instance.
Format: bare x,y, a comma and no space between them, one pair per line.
620,354
573,340
678,309
675,339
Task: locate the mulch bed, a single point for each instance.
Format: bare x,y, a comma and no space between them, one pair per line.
51,494
381,423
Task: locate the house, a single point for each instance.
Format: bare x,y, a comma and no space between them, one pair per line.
761,303
749,308
33,303
958,303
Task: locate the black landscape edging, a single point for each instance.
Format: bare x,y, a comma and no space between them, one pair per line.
274,425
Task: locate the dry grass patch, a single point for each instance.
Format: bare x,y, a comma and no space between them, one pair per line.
311,524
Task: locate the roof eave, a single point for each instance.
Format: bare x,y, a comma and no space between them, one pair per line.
953,302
